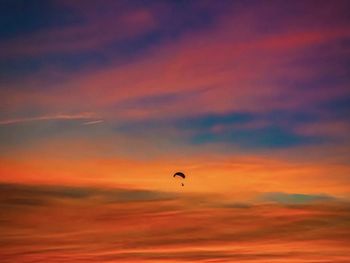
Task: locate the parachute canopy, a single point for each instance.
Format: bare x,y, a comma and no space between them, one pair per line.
179,174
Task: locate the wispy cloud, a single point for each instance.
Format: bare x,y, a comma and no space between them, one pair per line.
92,31
295,198
93,122
79,116
174,74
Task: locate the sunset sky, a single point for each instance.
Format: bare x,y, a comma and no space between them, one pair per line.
101,102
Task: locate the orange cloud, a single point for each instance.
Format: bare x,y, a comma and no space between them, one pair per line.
103,225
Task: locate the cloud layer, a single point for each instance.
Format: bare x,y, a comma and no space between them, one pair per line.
143,69
250,99
58,223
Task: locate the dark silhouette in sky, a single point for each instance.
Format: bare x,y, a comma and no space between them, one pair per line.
180,174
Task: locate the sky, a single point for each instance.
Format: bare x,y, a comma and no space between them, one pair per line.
101,102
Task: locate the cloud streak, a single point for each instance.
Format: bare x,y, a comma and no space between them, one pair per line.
80,116
93,122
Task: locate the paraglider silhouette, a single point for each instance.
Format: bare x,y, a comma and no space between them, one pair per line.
180,174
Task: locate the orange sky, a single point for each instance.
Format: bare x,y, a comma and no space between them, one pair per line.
112,225
229,176
102,102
